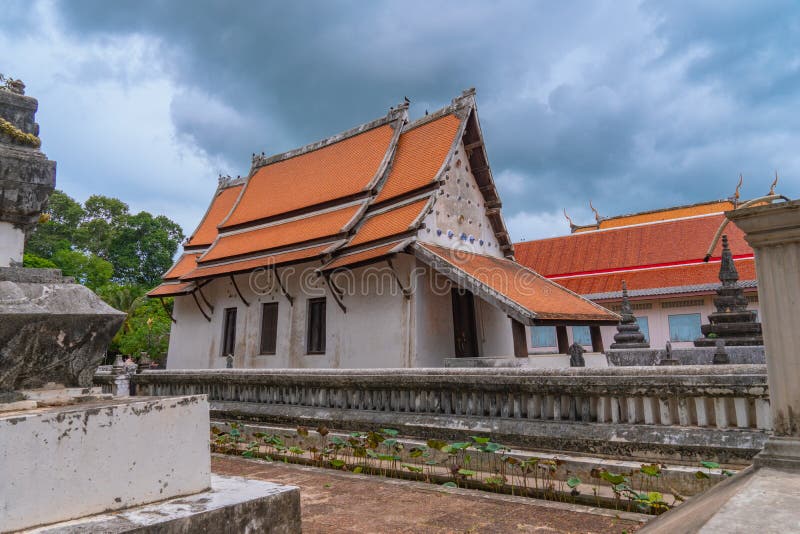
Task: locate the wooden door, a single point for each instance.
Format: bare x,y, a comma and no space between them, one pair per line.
464,333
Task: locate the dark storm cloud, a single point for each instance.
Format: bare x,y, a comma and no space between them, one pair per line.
635,105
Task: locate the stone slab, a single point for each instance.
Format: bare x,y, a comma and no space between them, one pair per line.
233,504
685,356
66,462
533,361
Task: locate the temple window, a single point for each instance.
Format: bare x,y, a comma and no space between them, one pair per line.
229,331
269,327
315,335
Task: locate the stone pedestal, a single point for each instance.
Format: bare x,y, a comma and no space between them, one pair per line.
774,233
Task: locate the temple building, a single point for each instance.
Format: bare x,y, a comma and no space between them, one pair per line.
383,246
659,255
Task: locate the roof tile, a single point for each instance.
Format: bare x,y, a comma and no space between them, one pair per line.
394,221
631,246
186,263
364,255
282,234
250,264
420,155
221,204
544,298
332,172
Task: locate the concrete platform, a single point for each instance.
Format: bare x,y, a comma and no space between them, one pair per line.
755,500
233,504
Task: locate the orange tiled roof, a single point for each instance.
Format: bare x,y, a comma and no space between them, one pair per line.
281,234
332,172
391,222
186,263
632,246
364,255
686,275
250,264
706,208
170,290
533,292
420,154
206,232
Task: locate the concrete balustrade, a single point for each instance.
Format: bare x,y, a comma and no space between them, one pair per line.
674,412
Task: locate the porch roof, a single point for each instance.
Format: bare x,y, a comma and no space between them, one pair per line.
171,289
518,291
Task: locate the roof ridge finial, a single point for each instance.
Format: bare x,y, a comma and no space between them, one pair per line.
737,193
774,183
572,225
596,213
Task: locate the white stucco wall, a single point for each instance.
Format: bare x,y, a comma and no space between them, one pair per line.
459,210
12,243
375,331
658,322
69,462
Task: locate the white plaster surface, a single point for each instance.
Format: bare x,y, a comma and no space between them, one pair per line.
224,492
12,242
69,462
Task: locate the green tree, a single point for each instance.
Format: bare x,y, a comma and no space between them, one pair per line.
143,248
87,269
36,262
103,216
58,232
146,329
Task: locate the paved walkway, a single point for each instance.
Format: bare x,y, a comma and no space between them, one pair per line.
343,502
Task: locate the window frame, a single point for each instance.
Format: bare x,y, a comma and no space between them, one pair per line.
699,324
588,332
311,303
228,331
274,341
533,337
646,330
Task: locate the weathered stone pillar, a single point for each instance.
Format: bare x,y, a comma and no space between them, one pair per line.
774,233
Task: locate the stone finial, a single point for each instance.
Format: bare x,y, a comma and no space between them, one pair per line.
628,335
575,352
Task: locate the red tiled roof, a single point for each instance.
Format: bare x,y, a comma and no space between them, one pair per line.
281,234
391,222
687,275
186,263
632,246
364,255
332,172
170,290
542,298
420,154
221,204
255,263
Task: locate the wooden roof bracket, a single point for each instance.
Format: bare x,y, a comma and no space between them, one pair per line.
199,307
283,288
236,287
210,307
406,292
335,291
164,305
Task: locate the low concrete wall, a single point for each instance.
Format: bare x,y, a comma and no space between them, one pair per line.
72,461
686,356
677,413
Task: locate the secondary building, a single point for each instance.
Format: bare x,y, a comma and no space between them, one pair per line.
659,254
383,246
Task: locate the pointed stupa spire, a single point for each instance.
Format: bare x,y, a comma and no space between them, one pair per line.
628,335
732,322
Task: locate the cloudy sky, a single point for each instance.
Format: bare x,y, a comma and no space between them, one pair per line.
634,105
